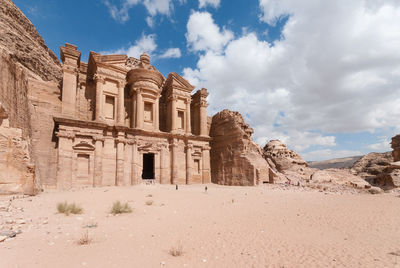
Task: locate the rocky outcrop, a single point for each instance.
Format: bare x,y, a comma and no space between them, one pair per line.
235,158
21,41
341,177
286,162
396,148
372,164
283,158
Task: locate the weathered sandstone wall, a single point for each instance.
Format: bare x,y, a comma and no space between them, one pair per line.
30,74
19,38
16,171
235,158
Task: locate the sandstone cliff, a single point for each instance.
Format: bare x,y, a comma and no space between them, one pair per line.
21,41
29,93
235,158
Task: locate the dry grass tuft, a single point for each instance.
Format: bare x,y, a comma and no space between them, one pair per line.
149,195
149,202
66,208
119,208
176,251
85,239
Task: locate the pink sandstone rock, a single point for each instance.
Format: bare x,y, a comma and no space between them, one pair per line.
235,158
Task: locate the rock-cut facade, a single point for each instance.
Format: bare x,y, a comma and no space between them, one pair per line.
122,123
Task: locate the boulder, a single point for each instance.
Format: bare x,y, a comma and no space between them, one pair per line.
235,158
283,158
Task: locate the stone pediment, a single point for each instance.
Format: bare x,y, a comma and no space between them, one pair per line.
175,81
84,146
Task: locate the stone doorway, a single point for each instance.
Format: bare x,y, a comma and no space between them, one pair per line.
148,167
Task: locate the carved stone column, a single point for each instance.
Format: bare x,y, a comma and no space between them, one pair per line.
65,160
188,125
189,161
134,164
140,108
98,161
157,115
174,162
99,97
121,103
206,175
120,159
174,114
203,118
163,177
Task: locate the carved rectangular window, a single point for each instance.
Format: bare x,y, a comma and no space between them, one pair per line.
83,165
148,112
197,166
181,120
109,107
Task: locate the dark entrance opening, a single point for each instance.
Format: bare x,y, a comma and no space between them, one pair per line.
148,167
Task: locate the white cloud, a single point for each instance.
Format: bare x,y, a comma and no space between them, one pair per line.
335,71
146,43
213,3
382,146
203,34
171,53
153,7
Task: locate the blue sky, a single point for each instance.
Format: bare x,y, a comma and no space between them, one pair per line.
321,76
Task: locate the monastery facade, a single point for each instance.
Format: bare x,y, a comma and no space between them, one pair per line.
123,123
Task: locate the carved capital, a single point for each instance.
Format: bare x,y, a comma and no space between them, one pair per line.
206,148
98,78
121,140
98,138
66,135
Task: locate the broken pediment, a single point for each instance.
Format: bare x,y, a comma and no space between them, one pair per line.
175,81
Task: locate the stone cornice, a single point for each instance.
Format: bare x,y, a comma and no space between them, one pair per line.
104,126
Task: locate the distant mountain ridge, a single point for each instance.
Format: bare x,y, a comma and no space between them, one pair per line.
344,162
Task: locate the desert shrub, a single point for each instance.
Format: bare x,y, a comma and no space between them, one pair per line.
85,239
119,208
66,208
176,251
149,202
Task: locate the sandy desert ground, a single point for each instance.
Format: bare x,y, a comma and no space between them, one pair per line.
266,226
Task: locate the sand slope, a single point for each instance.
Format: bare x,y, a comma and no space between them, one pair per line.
263,226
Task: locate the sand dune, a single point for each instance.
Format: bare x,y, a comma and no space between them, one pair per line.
266,226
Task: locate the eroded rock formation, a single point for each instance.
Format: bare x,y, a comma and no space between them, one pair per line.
20,40
235,158
372,164
286,162
396,148
29,92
